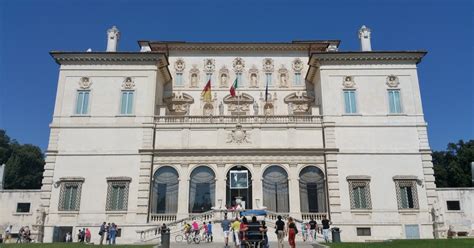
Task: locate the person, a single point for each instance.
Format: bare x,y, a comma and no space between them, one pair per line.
244,227
83,235
312,229
79,235
236,231
264,229
20,235
113,233
195,226
209,232
253,232
102,232
88,235
304,233
26,234
280,231
107,233
68,237
326,224
225,224
292,231
186,230
8,233
204,231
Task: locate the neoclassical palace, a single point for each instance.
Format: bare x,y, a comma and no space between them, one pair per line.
311,131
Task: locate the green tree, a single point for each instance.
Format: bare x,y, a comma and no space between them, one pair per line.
453,167
24,164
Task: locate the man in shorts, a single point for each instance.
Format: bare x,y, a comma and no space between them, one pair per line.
225,224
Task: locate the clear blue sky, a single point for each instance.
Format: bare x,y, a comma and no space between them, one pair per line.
30,29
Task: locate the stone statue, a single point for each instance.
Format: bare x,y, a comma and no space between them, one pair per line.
224,79
208,109
268,109
255,108
283,80
221,109
194,80
290,108
253,80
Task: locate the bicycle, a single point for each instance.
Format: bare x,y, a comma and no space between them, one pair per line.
194,237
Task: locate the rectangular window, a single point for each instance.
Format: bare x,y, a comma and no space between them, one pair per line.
453,205
117,196
406,194
394,101
297,78
350,102
363,231
23,207
179,79
82,103
70,196
269,79
240,83
127,102
359,191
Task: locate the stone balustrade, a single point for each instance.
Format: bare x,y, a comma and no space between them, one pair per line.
252,119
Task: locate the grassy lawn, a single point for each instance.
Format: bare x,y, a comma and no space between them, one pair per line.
429,243
70,245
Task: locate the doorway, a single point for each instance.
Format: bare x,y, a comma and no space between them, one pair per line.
239,187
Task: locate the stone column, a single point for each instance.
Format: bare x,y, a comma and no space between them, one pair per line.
220,186
183,194
257,192
294,192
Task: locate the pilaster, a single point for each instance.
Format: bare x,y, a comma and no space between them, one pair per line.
183,198
220,186
294,191
257,192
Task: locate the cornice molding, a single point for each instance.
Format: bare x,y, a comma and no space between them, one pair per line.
416,56
107,57
239,152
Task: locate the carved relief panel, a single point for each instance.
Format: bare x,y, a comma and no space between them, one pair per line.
299,103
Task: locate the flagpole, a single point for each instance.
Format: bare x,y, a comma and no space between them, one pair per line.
238,101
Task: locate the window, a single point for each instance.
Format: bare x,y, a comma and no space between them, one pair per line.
453,205
117,195
394,101
359,191
70,195
350,102
297,78
126,107
240,83
406,194
23,207
363,231
268,79
179,79
82,103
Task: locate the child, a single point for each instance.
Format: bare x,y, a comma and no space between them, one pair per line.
209,231
204,231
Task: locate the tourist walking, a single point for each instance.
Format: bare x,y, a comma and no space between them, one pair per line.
264,229
225,224
244,227
102,232
280,231
292,231
326,223
8,233
304,232
107,233
209,232
113,233
236,232
19,239
88,235
68,237
312,229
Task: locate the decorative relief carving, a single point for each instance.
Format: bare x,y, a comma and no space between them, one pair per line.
209,65
283,77
179,65
208,109
194,76
268,65
299,103
240,104
297,65
85,83
128,84
238,136
238,65
392,81
178,103
223,77
253,77
348,82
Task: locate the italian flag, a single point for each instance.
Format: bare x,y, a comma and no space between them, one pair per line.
233,88
206,92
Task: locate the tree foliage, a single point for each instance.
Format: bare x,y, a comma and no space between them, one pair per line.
453,167
24,163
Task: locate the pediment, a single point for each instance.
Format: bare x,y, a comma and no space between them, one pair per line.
179,98
239,99
298,98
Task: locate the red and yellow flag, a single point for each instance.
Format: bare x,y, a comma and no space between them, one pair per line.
206,92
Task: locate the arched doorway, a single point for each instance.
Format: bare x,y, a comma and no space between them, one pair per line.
239,187
165,191
275,189
312,190
202,189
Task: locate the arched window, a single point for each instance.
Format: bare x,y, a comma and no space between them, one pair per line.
165,191
275,189
202,188
312,190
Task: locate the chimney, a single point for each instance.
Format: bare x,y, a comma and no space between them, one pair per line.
113,36
2,175
364,36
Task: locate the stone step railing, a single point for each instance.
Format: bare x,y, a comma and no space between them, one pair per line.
259,119
162,218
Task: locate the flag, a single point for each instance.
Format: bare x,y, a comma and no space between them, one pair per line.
233,87
266,92
206,92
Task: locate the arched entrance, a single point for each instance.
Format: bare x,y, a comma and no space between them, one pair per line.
239,187
312,191
202,189
165,191
275,189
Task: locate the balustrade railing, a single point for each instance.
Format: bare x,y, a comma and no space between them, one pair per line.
197,119
316,216
160,218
